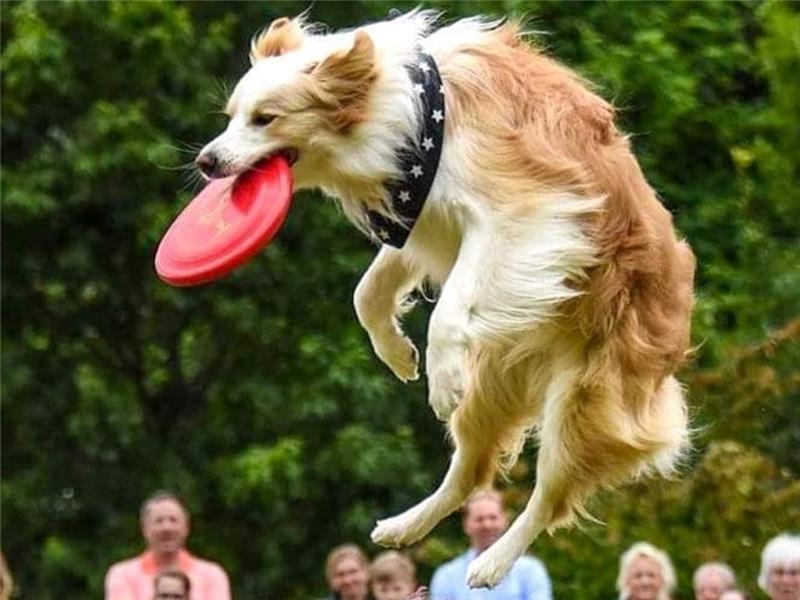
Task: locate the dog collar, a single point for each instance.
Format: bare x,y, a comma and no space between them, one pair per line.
418,159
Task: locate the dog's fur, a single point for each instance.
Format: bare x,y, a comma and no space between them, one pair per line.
565,295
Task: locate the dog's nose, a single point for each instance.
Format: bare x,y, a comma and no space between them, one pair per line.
208,164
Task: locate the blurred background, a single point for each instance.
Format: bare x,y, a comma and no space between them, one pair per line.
258,398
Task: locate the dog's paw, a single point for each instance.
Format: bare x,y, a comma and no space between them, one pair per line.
395,532
446,381
489,568
400,355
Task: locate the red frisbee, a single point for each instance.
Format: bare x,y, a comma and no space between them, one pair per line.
226,224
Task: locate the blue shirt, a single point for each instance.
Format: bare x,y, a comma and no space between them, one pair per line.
527,580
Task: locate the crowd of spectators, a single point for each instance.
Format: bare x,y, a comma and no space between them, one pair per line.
166,570
645,571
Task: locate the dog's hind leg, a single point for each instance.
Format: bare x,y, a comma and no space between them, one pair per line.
484,442
590,437
416,522
379,301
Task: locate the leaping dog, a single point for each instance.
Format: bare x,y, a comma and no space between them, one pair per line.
486,168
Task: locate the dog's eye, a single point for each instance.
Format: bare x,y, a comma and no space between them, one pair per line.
263,120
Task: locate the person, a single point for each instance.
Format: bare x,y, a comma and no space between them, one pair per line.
6,581
484,522
347,572
712,579
780,568
172,585
165,527
733,594
645,573
392,576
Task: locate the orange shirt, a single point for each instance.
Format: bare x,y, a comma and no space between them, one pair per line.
133,579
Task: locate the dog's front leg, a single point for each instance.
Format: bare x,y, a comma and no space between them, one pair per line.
379,300
448,332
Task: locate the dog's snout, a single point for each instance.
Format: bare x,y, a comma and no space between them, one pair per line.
208,164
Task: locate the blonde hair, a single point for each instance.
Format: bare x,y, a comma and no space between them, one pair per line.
658,556
720,568
781,551
392,566
339,553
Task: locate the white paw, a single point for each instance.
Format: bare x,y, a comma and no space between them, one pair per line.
399,354
447,380
489,568
394,532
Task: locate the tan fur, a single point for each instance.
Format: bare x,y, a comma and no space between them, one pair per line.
343,82
626,334
282,36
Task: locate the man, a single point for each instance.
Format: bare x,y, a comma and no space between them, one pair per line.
347,572
712,579
484,521
165,527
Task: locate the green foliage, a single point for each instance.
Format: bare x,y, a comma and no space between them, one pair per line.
258,398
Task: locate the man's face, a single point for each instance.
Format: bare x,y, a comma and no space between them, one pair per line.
349,578
709,586
484,522
165,526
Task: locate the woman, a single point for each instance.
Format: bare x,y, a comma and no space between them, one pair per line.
645,573
780,568
347,571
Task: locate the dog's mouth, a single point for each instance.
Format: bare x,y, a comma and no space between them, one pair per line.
212,168
290,154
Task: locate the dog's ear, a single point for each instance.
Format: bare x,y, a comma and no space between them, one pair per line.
282,36
345,79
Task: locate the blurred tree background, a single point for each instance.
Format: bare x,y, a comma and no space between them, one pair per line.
258,398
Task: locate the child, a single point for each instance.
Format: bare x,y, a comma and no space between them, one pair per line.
392,577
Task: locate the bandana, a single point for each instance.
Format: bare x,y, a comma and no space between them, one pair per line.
418,159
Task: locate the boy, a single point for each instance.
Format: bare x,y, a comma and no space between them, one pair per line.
392,576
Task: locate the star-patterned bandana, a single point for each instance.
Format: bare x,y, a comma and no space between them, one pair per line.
419,160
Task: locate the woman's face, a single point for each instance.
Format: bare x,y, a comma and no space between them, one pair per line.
644,579
783,583
349,579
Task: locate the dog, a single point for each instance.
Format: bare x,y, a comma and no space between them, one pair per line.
565,296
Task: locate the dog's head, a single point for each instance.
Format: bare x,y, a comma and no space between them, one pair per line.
301,97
